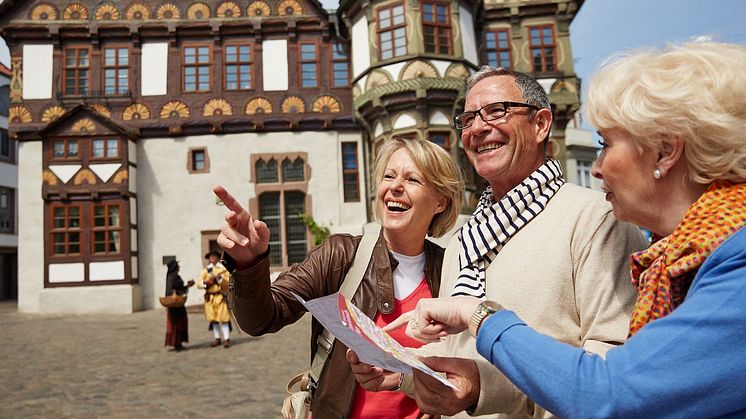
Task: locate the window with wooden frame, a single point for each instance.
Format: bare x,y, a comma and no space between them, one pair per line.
542,47
106,229
392,31
77,71
309,64
66,228
436,27
198,161
65,149
238,66
281,201
116,71
584,172
441,138
340,65
105,148
196,64
6,147
497,48
350,172
7,210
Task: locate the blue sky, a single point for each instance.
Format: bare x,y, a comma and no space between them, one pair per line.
604,27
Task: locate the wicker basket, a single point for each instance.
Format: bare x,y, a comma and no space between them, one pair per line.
173,300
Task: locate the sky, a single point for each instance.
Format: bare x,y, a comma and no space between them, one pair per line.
603,27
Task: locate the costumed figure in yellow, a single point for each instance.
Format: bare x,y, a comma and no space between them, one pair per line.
214,280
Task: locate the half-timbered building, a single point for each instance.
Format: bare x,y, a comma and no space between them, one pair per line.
127,113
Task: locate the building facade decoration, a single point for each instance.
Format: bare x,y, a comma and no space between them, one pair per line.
132,111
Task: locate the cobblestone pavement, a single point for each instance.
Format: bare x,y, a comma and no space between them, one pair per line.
115,366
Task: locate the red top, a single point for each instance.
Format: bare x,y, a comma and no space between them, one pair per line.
391,404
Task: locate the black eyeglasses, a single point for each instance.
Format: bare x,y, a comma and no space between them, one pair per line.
488,113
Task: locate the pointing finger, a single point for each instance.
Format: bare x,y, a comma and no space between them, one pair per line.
228,199
399,322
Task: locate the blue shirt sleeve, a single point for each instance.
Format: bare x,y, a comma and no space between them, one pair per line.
691,363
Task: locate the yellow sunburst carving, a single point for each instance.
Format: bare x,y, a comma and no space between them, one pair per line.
293,104
137,11
102,109
52,113
48,178
375,79
75,11
217,107
121,176
228,9
289,7
418,69
136,111
175,109
258,105
326,103
84,126
44,12
563,85
168,11
107,12
458,71
84,175
19,114
198,11
258,9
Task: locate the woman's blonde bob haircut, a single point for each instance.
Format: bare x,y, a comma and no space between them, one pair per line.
694,91
439,172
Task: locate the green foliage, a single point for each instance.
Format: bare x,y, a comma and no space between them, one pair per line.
319,233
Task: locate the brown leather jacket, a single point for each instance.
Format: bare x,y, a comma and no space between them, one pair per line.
261,307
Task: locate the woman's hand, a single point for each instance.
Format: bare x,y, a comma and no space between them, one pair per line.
372,378
243,237
434,318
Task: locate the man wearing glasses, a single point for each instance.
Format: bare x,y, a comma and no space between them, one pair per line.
547,249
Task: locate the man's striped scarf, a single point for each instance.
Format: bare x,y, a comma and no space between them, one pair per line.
494,223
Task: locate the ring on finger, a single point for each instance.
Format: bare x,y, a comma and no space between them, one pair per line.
413,324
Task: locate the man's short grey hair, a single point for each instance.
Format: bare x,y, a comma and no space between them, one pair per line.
533,93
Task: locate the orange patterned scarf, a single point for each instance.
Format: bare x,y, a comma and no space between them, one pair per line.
663,272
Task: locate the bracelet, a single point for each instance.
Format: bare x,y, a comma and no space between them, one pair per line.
401,380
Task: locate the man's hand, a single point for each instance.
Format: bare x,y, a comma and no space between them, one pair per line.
435,318
434,397
372,378
243,237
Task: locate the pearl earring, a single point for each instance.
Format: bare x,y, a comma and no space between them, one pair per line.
657,174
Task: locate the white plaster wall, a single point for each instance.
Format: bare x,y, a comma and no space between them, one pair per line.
275,64
154,62
101,299
30,226
439,118
360,47
66,272
394,70
441,66
175,206
106,271
403,121
37,71
132,151
468,38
